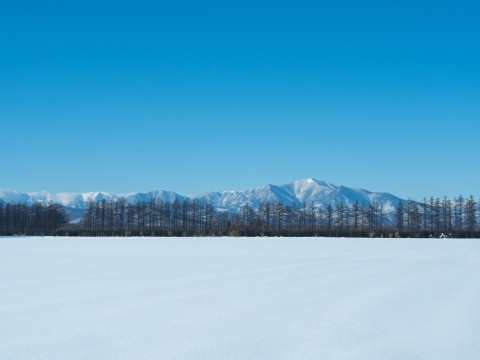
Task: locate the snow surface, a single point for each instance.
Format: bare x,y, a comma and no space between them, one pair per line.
239,298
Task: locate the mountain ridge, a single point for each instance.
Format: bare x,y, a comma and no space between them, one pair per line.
297,193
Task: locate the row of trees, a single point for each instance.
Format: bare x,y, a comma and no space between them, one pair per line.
432,217
153,217
36,219
193,217
458,217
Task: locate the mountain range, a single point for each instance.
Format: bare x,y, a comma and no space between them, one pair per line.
298,192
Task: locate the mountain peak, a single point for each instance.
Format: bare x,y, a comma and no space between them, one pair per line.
313,182
308,181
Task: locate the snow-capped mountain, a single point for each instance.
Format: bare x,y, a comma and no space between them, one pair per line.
320,192
298,192
234,200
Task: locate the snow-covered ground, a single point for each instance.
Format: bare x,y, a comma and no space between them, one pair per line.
239,298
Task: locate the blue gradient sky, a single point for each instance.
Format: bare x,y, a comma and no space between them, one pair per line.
200,96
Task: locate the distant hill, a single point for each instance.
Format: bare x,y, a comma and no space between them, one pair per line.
298,192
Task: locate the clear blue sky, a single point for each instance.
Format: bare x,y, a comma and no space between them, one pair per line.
198,96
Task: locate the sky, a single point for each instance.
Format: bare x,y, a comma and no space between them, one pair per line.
192,97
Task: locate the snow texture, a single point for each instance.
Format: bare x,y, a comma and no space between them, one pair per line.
239,298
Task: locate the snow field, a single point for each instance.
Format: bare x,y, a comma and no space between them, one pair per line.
239,298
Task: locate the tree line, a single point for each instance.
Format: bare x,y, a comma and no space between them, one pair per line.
430,217
458,217
197,218
37,219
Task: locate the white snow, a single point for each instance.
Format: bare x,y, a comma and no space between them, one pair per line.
239,298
